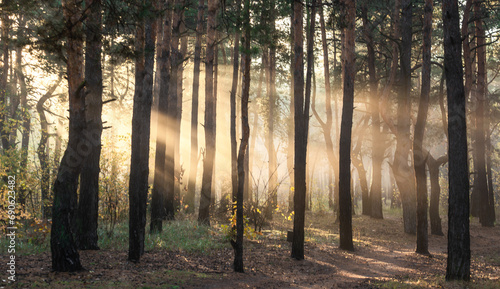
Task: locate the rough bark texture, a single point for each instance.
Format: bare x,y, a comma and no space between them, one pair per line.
419,157
159,191
301,118
88,204
348,13
458,262
193,168
64,252
141,121
4,111
208,163
403,172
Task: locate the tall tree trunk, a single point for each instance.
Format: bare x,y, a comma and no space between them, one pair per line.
171,163
458,262
419,156
88,204
232,101
301,121
193,168
481,185
403,172
238,244
141,122
291,124
208,163
159,191
64,252
348,13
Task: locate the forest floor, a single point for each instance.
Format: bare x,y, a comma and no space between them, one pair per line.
383,258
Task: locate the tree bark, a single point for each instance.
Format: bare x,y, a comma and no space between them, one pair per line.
238,244
4,111
208,163
403,172
232,101
458,262
88,204
481,185
65,257
141,121
433,166
419,156
159,191
348,13
301,118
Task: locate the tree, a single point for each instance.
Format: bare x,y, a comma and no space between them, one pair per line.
159,191
193,169
458,261
232,101
348,14
403,172
419,158
4,112
141,121
480,179
238,244
65,257
210,110
301,118
88,204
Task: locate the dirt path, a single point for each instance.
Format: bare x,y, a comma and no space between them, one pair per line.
384,258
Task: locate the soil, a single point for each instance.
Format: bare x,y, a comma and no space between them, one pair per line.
383,258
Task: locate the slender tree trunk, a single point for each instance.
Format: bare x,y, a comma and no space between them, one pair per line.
88,205
481,185
208,164
291,124
301,118
238,244
159,191
419,156
193,168
64,252
141,121
458,262
348,72
232,101
403,172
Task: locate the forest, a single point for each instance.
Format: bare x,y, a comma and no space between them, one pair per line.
250,143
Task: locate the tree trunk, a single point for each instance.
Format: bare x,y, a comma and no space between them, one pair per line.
348,72
141,121
481,185
65,256
458,262
193,168
159,191
419,156
238,244
301,118
232,101
88,205
4,111
291,124
403,172
208,163
433,166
